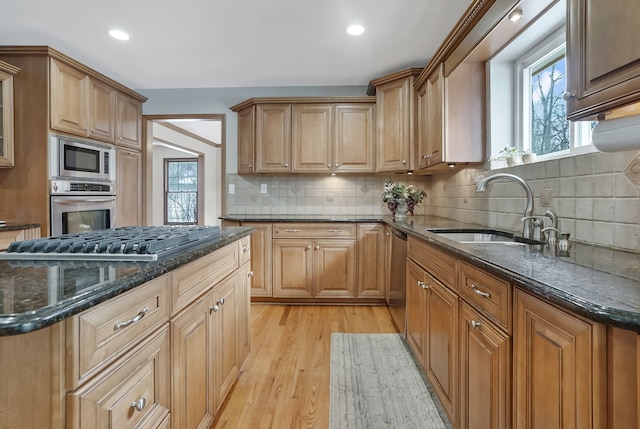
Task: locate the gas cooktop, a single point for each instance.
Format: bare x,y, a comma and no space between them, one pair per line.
131,243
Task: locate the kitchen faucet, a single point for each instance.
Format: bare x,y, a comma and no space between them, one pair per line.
532,224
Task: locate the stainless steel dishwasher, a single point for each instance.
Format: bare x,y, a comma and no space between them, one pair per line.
397,293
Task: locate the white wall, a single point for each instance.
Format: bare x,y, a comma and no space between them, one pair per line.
211,176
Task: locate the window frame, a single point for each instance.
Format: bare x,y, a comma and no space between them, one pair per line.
198,192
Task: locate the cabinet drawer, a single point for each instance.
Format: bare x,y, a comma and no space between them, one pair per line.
133,392
314,230
439,264
245,249
99,335
490,294
193,279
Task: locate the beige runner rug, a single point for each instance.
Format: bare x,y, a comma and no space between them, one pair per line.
376,384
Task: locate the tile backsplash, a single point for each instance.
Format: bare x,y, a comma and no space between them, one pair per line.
596,196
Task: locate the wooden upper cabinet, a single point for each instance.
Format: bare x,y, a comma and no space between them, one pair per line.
603,56
396,100
6,114
306,135
81,105
434,118
129,183
246,140
311,149
273,138
354,138
129,123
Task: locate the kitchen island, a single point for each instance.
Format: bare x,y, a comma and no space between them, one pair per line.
118,344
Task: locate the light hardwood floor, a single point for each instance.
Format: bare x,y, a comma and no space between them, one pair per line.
284,383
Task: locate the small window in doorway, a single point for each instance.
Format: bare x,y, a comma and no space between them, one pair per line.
181,192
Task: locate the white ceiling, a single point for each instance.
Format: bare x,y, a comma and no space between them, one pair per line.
236,43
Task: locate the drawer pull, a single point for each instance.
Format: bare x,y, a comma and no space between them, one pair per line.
135,319
245,249
423,285
292,230
479,292
139,404
221,301
215,308
335,230
475,325
317,247
250,274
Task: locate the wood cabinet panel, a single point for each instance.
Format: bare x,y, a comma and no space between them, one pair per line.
244,313
416,314
372,266
335,269
311,134
129,201
7,126
559,368
623,376
603,56
273,138
246,140
293,268
129,122
489,293
441,265
396,103
99,335
354,139
261,259
102,111
485,373
141,377
314,230
69,99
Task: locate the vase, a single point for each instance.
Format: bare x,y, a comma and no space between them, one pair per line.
401,210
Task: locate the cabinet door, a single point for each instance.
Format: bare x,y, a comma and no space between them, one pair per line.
273,138
354,139
441,350
311,138
603,56
246,140
558,368
101,111
192,349
293,268
129,122
435,108
261,259
6,118
485,373
129,193
225,320
424,148
395,136
372,266
416,310
244,313
68,99
335,269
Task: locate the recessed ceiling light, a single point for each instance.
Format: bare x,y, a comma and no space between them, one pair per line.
516,15
119,34
355,30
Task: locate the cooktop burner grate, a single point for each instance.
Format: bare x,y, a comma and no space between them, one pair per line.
126,243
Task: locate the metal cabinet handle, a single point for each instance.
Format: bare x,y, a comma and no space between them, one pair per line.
215,308
568,95
250,274
475,325
292,230
337,165
221,301
423,285
404,161
317,247
329,165
245,249
309,247
135,319
286,165
139,404
335,230
479,292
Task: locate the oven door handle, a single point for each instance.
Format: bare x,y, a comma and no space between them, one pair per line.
85,200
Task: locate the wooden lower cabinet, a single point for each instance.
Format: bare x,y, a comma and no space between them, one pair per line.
623,376
225,311
304,268
8,237
372,268
485,372
416,310
261,260
132,393
559,368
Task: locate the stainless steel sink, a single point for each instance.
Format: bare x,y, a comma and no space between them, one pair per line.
481,236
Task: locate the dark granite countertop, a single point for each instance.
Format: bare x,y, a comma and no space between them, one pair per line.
37,294
599,283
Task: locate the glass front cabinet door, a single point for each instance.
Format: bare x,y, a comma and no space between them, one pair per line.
6,113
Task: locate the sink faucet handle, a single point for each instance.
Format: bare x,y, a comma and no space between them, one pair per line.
533,227
552,234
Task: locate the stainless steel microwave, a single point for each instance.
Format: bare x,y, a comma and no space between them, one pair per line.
77,159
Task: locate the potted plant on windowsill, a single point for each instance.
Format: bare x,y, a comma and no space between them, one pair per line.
528,157
512,155
401,199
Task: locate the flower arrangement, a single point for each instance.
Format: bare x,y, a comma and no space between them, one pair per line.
396,194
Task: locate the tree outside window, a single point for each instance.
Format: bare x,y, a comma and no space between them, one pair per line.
181,191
